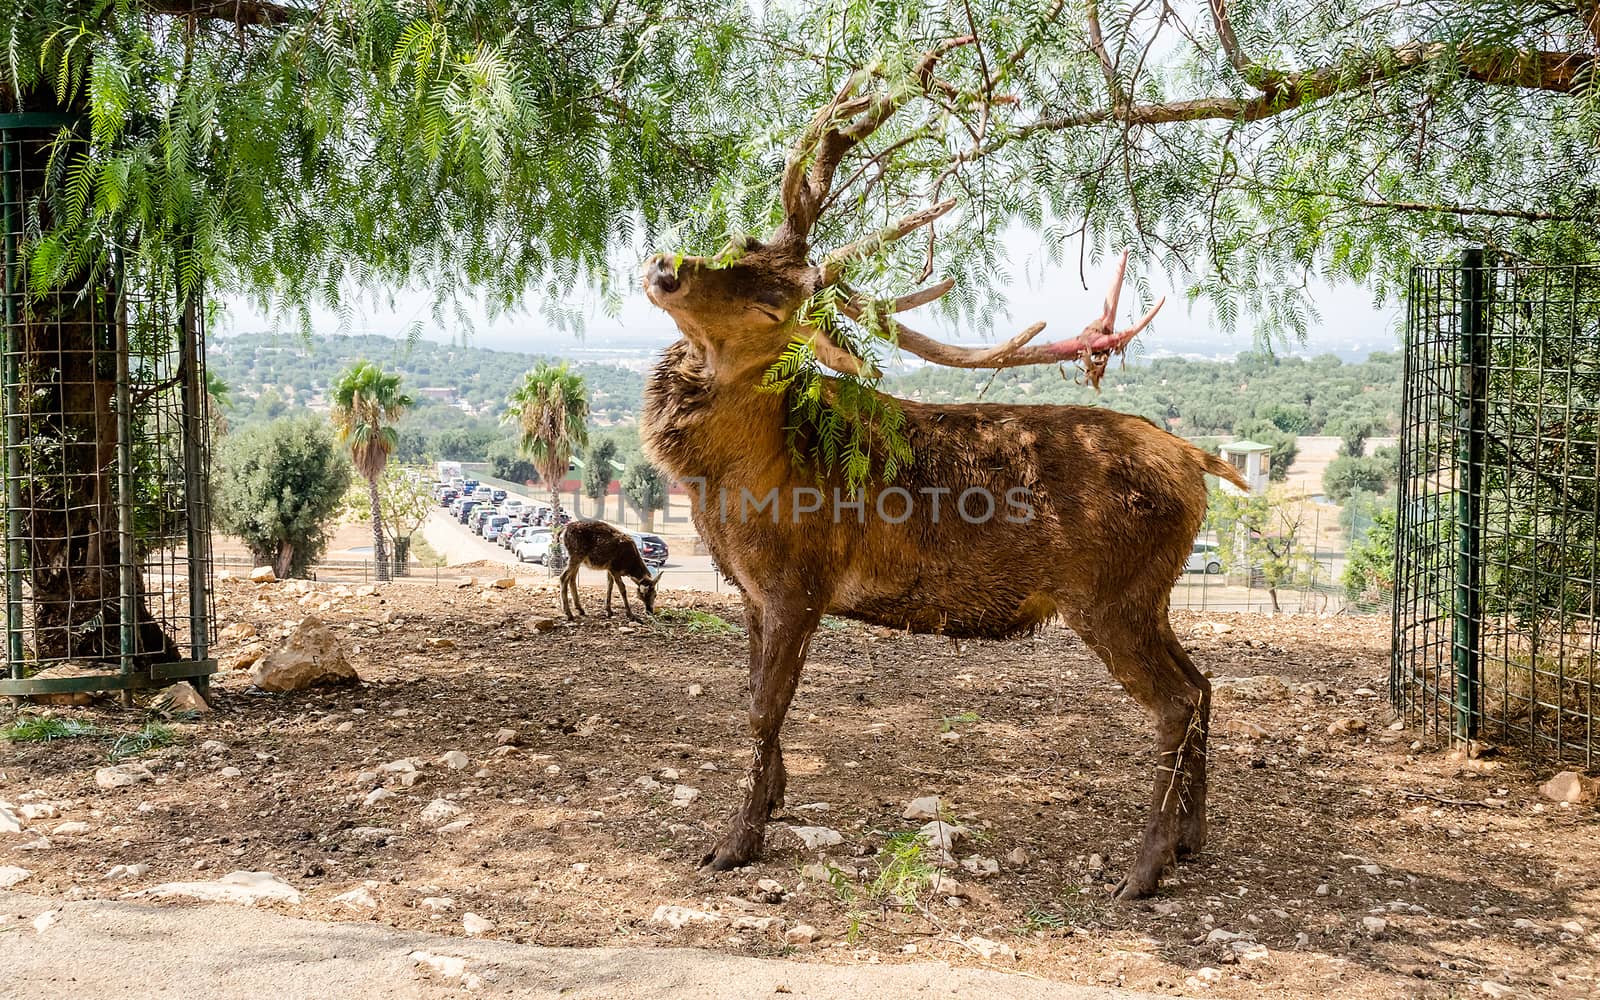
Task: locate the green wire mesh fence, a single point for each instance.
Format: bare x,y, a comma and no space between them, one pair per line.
107,579
1497,586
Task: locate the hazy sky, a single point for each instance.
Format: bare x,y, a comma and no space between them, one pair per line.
1349,322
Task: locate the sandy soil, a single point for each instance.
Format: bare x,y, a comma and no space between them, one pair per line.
1359,865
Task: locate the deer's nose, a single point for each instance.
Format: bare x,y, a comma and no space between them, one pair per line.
661,275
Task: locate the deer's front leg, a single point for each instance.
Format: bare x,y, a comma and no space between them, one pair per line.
779,639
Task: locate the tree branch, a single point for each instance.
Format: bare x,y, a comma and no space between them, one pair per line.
1557,72
243,12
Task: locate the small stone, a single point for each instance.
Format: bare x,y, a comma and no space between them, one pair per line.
45,921
122,775
455,760
474,925
1017,858
344,727
1215,628
443,966
696,690
440,642
455,827
981,866
1374,926
677,917
1348,726
924,808
814,838
950,737
76,828
180,697
988,949
683,795
506,738
377,795
439,811
359,898
10,875
9,822
120,873
31,811
1244,729
1369,869
1249,951
466,582
1573,927
438,904
504,583
1569,786
237,631
1323,889
235,887
800,934
1208,975
263,574
1397,726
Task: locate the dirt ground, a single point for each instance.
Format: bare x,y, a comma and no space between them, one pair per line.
1361,864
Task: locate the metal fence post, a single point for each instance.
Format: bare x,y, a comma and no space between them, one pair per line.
1472,422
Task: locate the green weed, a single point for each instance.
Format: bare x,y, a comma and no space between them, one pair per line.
45,729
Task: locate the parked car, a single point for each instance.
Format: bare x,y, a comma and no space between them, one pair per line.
492,525
652,547
1204,559
535,545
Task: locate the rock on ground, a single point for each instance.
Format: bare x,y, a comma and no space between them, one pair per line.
817,837
1569,786
122,775
248,888
180,697
926,807
309,657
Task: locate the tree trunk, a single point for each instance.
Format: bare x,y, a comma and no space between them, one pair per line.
380,553
556,555
66,378
284,563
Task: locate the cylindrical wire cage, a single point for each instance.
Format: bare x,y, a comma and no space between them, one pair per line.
107,428
1497,585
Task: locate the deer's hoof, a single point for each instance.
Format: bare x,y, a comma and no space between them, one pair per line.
1137,884
732,851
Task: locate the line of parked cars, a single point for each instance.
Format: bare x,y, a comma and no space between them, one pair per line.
523,528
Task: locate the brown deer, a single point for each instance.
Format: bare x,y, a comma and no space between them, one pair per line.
1107,511
598,544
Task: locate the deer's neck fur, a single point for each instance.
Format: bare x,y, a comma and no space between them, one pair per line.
726,433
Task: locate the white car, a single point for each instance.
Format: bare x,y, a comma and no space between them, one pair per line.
534,546
1204,559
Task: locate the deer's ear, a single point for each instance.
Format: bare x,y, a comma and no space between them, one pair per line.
840,360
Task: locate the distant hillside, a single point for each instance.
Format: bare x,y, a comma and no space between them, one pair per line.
461,391
1195,398
300,373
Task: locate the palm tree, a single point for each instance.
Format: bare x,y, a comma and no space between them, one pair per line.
367,402
551,407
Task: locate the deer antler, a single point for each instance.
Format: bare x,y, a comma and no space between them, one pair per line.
808,173
1093,347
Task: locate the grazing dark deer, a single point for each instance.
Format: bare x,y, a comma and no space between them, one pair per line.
1115,502
598,544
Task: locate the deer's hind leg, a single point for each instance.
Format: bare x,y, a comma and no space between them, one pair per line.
1142,657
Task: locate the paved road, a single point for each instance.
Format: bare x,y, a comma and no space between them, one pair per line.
110,949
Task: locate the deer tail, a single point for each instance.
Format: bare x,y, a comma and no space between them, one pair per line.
1221,467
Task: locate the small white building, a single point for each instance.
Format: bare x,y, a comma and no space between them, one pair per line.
1254,462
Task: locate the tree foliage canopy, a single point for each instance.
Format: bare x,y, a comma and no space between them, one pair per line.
281,486
296,152
367,402
551,410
